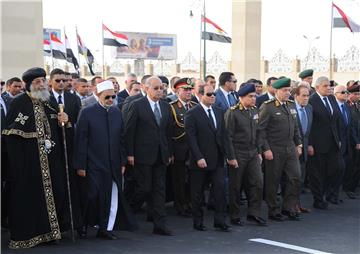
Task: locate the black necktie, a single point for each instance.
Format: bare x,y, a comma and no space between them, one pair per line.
285,107
212,122
327,105
60,99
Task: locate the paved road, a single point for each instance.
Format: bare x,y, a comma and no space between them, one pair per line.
336,230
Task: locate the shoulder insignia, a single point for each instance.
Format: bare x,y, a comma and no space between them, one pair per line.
268,101
291,101
193,103
175,101
234,107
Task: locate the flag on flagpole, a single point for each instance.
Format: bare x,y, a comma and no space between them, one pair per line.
57,47
86,53
70,57
47,48
114,39
344,15
213,32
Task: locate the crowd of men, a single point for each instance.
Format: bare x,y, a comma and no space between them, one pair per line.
79,153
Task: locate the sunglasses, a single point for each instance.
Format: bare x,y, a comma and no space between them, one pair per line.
235,81
210,94
343,92
107,97
59,80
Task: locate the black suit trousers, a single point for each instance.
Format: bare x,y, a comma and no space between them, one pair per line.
150,187
198,180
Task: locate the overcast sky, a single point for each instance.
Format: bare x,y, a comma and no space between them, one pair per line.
284,22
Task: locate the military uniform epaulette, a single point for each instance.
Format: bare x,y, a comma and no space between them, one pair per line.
291,101
193,103
268,101
235,107
173,102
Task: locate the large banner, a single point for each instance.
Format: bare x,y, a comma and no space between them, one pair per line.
47,31
149,46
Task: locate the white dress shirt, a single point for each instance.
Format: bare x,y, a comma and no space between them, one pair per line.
207,114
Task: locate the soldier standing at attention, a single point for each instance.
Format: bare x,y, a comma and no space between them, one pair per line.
281,146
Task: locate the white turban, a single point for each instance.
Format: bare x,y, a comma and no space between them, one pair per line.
105,85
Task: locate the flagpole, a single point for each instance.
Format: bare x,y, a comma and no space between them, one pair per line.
204,60
52,58
331,37
78,53
201,33
103,57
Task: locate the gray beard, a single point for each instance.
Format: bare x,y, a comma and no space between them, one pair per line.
43,95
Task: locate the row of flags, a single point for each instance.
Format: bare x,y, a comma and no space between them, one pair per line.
210,31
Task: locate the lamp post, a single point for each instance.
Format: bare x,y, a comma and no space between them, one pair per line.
310,41
202,31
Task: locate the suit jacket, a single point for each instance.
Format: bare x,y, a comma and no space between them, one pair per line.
123,94
144,138
127,104
7,99
305,136
324,133
261,99
171,97
345,129
72,105
205,142
221,101
194,99
88,101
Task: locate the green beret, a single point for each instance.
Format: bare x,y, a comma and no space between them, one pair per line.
280,83
306,73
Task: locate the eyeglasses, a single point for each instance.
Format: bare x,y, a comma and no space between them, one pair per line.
107,97
343,92
158,88
210,94
59,80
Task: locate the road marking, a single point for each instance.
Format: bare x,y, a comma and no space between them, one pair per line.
288,246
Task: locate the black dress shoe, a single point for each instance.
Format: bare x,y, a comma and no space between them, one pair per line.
277,217
222,227
162,231
106,235
333,200
82,232
351,194
199,227
237,222
320,205
260,221
292,215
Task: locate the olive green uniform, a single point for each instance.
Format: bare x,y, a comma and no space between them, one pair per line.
242,125
279,132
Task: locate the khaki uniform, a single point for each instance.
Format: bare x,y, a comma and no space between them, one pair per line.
242,125
181,154
279,132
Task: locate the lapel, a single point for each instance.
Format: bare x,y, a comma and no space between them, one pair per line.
322,105
53,99
218,119
222,98
163,113
309,117
205,117
149,111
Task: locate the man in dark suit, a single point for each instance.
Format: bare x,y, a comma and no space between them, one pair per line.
352,176
225,94
269,94
324,142
346,138
149,149
304,118
131,78
196,95
13,88
209,147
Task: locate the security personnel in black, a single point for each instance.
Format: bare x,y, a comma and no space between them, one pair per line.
242,123
180,183
281,146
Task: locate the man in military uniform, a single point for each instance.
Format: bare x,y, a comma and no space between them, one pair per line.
307,76
241,123
281,146
180,184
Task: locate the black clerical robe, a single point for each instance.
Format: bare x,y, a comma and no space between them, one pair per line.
99,150
39,208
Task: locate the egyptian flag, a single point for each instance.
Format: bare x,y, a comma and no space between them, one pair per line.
213,32
70,57
57,47
86,53
344,15
47,48
114,39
